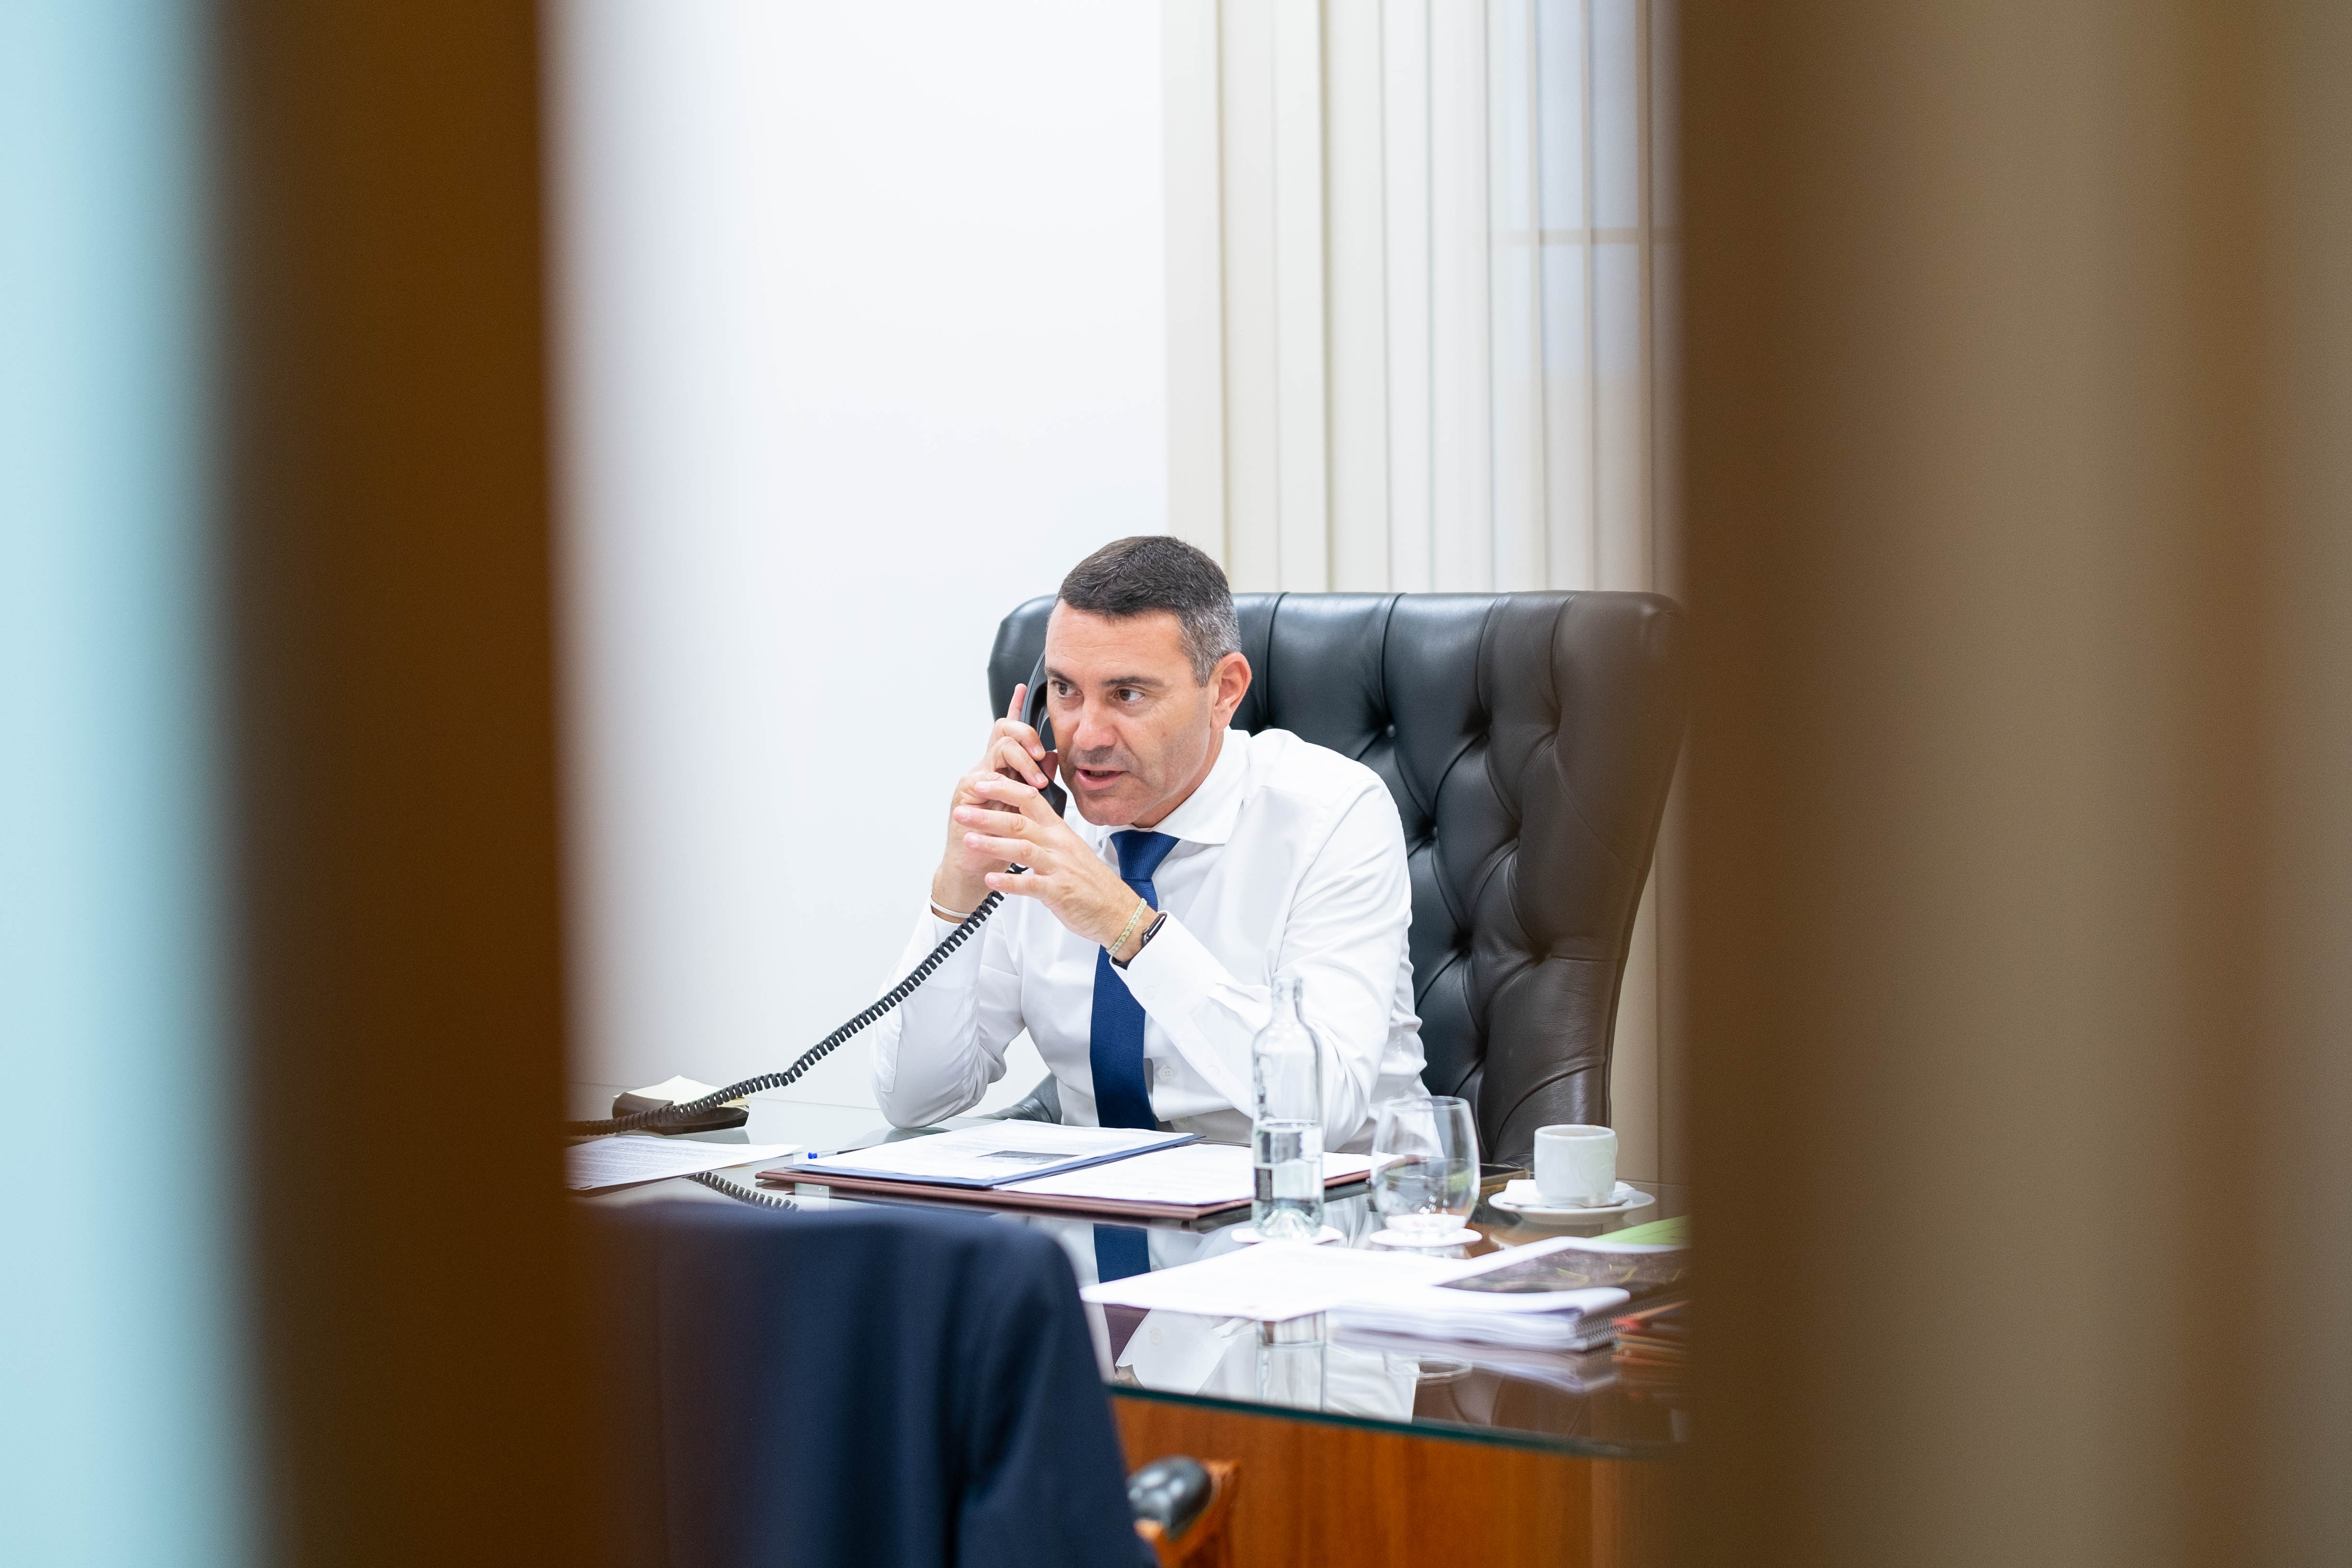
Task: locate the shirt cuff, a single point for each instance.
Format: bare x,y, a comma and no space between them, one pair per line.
1178,979
1175,973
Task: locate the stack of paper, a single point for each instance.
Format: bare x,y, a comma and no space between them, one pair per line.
1544,1297
1569,1371
1270,1282
1511,1298
601,1163
1557,1320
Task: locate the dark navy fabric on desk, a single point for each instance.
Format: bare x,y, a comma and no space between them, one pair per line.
873,1386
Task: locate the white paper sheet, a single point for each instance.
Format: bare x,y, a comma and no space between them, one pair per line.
994,1154
602,1163
1270,1281
1188,1173
1180,1354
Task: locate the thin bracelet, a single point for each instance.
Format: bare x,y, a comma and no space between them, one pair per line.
1142,908
949,915
1142,942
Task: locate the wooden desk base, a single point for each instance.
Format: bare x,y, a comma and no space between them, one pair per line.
1315,1492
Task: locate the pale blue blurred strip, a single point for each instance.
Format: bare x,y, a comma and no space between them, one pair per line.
121,1440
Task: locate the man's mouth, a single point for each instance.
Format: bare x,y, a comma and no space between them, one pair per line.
1097,778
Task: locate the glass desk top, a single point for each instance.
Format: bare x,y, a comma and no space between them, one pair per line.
1583,1403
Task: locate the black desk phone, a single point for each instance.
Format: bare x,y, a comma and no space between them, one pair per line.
693,1115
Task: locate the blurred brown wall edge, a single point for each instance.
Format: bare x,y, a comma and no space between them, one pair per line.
2019,370
387,525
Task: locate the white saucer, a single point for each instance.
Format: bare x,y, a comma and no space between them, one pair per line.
1248,1236
1414,1238
1625,1199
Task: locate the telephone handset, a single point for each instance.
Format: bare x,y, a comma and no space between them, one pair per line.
1033,713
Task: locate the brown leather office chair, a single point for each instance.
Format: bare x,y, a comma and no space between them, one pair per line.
1529,740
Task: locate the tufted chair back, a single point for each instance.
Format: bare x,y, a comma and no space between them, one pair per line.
1529,740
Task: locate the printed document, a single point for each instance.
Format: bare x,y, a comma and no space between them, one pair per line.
618,1161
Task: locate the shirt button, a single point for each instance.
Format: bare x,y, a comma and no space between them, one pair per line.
1167,1072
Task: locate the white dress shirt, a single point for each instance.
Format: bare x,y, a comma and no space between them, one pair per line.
1290,858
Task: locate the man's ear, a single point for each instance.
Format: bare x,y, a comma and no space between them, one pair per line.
1229,683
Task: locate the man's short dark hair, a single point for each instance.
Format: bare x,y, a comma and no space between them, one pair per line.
1154,572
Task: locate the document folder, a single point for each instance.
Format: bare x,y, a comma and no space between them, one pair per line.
991,1156
1189,1182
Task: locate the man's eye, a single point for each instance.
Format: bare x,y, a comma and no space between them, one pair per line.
1129,694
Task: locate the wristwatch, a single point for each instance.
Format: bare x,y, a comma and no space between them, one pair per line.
1142,942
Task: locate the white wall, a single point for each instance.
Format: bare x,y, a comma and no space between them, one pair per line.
862,336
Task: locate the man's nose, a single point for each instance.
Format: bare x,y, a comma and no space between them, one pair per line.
1094,731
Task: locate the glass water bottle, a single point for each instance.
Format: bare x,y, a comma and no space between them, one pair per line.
1286,1131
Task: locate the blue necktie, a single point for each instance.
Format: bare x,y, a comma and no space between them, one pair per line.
1115,1048
1121,1252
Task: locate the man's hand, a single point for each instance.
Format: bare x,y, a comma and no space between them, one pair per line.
1010,822
1014,751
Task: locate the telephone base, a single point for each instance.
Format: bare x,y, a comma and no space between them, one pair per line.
710,1120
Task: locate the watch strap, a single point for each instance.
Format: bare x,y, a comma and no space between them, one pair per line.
1142,942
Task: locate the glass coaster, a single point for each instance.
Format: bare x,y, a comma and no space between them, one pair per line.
1248,1236
1417,1238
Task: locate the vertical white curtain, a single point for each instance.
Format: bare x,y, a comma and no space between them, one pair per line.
1421,264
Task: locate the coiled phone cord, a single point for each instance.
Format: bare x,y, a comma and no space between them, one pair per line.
637,1120
740,1194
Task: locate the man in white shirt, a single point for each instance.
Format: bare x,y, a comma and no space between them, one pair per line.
1194,863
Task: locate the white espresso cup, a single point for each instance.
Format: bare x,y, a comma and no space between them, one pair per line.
1576,1164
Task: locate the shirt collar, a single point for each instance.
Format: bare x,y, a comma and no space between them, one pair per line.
1209,813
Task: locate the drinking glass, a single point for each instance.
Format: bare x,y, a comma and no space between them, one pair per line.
1425,1166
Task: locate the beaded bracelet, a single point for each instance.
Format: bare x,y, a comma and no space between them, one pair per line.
1142,942
1142,908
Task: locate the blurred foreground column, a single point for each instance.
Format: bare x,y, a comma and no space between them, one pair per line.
396,773
2020,435
122,1416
